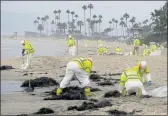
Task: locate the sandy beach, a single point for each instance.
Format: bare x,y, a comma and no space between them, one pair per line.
25,103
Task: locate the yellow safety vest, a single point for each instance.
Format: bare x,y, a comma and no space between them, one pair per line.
71,42
28,48
146,52
118,50
137,42
100,50
84,64
153,48
132,75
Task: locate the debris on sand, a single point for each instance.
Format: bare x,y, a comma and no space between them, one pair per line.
44,111
90,105
62,66
62,76
94,89
95,77
6,67
114,93
143,96
146,96
107,82
40,82
114,74
93,71
70,93
93,100
117,113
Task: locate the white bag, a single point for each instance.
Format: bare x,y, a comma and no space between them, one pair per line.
159,92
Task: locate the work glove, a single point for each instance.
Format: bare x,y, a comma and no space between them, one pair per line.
149,83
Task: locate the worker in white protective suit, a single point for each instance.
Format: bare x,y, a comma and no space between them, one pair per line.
27,50
71,45
81,68
132,79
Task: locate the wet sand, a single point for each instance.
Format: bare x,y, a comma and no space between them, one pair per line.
25,103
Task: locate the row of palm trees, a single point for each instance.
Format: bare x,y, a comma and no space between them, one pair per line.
94,23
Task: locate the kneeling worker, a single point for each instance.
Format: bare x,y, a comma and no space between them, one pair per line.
131,80
81,68
118,50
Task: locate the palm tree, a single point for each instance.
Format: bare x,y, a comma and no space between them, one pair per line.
43,21
88,20
126,16
52,23
38,18
100,20
57,18
76,16
97,21
59,12
68,12
113,21
110,22
35,22
46,19
116,21
80,24
55,12
94,16
132,20
90,6
99,24
72,13
122,25
40,28
84,8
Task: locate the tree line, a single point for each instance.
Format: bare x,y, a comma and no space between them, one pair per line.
74,24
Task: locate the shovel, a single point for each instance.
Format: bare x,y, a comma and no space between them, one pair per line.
30,88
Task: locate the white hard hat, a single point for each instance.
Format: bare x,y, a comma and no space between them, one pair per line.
22,42
90,59
117,45
70,36
143,64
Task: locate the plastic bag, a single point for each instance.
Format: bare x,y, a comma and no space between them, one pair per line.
159,92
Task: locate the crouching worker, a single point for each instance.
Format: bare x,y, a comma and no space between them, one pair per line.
118,50
81,68
131,80
27,50
146,51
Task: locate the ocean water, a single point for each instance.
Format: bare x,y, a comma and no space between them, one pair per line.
12,48
9,87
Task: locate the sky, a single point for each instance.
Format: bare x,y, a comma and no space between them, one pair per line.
19,15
